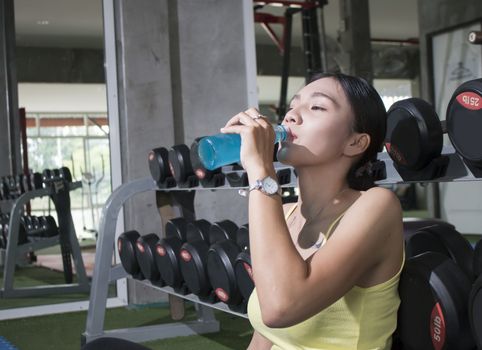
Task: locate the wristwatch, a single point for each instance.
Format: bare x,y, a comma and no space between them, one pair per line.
268,186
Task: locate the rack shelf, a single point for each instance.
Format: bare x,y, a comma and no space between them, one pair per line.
104,273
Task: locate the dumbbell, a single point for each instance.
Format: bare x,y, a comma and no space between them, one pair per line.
207,178
194,258
181,168
145,253
168,254
14,193
19,184
242,267
220,263
5,188
414,140
61,174
475,298
4,218
434,290
159,167
464,123
47,176
433,313
47,226
58,174
22,231
126,246
32,181
444,239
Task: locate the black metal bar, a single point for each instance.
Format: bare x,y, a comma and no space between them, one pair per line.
311,42
285,70
8,81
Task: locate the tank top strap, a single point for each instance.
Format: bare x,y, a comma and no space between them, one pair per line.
333,224
290,211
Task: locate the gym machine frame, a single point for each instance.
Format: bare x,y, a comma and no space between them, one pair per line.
14,251
105,274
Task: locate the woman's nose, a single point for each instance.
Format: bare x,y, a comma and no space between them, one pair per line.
291,118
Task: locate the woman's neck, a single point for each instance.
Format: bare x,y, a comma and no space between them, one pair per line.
319,189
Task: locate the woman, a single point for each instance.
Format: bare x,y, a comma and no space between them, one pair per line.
326,269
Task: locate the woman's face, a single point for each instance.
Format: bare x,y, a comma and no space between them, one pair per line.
320,119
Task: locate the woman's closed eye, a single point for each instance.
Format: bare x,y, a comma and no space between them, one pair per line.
318,108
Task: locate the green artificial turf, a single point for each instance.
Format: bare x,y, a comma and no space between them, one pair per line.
32,276
63,331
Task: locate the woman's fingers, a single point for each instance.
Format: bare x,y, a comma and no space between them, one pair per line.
240,118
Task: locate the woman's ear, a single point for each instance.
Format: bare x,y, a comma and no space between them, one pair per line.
357,144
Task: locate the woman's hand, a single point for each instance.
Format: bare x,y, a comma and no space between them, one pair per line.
257,140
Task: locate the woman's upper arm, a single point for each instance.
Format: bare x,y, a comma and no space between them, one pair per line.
355,247
258,342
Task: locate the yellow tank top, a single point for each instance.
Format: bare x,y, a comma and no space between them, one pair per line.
364,318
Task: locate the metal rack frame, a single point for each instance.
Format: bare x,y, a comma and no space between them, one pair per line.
14,251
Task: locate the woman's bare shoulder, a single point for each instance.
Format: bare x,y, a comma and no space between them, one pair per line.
377,207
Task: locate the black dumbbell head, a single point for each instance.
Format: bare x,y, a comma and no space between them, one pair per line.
242,237
127,252
475,314
222,230
180,163
158,159
37,181
244,274
49,226
220,265
464,121
65,174
198,230
433,313
47,175
478,258
145,252
193,267
414,134
458,247
168,261
176,227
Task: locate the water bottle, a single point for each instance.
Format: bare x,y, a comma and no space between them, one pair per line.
222,149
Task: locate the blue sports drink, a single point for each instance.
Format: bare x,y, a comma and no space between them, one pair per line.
222,149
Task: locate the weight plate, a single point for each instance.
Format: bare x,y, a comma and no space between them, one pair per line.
433,310
475,311
126,248
145,253
464,120
220,267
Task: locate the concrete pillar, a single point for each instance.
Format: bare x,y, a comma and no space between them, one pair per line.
180,76
10,159
354,38
217,73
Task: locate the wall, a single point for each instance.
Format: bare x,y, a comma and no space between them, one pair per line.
460,202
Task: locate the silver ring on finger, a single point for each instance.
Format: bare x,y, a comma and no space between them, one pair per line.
258,116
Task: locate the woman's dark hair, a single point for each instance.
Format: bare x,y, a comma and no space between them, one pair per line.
370,117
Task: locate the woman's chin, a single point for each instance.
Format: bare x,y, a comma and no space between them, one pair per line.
283,155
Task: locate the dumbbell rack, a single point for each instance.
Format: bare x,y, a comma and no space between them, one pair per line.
105,274
14,251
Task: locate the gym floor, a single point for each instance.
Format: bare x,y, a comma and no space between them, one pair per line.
63,331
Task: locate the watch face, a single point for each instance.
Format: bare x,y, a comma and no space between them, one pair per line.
270,186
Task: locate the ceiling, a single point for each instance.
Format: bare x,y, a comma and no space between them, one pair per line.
74,23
